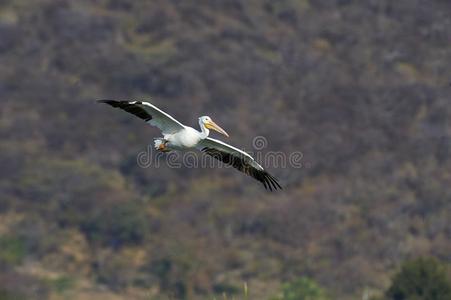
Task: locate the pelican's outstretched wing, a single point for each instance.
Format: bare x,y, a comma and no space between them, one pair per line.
238,159
149,113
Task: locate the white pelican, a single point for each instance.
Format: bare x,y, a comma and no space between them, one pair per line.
177,136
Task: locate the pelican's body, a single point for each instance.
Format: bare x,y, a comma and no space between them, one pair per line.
187,138
177,136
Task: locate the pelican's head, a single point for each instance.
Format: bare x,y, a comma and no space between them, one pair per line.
208,123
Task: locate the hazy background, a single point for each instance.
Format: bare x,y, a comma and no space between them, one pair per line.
361,88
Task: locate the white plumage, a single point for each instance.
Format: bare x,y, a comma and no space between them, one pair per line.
177,136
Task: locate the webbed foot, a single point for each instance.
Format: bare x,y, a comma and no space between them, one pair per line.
161,145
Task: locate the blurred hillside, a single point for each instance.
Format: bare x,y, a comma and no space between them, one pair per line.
361,88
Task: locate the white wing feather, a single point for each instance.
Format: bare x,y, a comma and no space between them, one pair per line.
165,122
150,113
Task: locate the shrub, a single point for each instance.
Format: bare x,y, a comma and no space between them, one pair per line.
62,284
420,279
12,250
124,224
302,289
6,295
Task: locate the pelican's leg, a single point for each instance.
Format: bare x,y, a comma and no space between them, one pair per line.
161,145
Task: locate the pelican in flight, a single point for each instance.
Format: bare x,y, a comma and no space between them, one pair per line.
177,136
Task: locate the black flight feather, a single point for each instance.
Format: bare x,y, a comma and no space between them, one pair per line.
240,163
134,108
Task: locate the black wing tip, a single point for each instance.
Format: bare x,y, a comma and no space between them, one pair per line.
270,182
130,107
109,101
114,103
